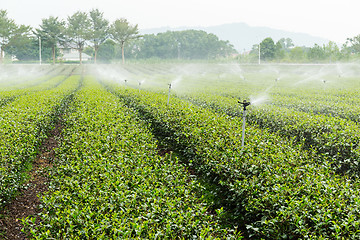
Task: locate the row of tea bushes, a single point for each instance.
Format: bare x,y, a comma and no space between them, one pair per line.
110,183
281,191
39,84
23,125
334,138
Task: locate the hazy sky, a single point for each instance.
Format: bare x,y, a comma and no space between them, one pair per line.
331,19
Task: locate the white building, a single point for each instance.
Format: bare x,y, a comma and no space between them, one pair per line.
72,54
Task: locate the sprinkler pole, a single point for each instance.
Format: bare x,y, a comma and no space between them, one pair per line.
245,104
139,86
125,82
169,94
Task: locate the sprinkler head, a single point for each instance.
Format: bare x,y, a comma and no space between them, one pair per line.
244,103
169,85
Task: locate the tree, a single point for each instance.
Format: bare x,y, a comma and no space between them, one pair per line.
188,44
107,51
7,31
99,30
78,31
316,53
279,50
21,44
122,32
267,49
354,44
52,32
332,51
297,54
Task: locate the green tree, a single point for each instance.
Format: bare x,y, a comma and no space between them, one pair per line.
99,30
332,51
188,44
78,31
20,44
267,49
353,44
107,51
288,43
123,32
27,49
297,54
316,53
52,33
7,31
279,50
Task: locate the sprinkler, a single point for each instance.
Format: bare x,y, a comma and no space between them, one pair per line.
125,82
245,104
324,81
139,86
169,94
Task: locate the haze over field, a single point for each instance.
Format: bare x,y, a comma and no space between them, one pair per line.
327,19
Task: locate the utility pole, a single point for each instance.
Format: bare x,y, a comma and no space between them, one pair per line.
178,48
259,53
40,50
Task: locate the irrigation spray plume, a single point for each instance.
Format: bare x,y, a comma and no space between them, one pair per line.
245,104
168,101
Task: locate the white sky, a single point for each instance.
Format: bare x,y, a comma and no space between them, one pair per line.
331,19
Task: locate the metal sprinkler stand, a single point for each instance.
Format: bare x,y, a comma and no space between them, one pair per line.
168,101
245,104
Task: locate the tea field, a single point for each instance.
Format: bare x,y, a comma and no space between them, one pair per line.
154,151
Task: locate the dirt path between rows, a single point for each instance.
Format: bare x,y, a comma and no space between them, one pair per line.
27,202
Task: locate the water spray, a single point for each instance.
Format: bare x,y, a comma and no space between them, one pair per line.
245,104
169,94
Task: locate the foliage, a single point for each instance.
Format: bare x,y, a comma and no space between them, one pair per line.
52,33
24,122
267,49
99,30
188,44
78,30
110,182
107,51
285,191
353,44
122,32
7,31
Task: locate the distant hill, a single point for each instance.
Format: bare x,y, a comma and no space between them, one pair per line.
243,36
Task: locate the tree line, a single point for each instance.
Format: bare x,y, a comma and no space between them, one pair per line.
93,34
284,50
78,31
